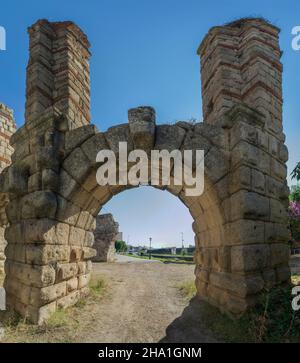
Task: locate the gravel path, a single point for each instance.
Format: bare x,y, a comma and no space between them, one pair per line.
144,305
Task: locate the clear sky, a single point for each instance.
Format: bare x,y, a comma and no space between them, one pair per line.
144,53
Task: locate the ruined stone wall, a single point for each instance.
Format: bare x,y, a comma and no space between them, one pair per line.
241,91
105,236
240,219
7,128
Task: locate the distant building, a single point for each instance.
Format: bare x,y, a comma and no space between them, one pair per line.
119,236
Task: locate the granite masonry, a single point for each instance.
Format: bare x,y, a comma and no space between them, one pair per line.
7,128
240,220
105,235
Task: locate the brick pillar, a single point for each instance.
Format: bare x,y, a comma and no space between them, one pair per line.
58,72
240,63
7,128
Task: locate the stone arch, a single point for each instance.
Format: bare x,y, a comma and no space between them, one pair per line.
239,220
86,197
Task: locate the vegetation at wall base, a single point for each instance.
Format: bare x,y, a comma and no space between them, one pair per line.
271,321
63,326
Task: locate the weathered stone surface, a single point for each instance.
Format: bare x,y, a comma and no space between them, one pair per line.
76,137
69,300
169,137
247,258
116,134
105,237
240,219
77,165
66,271
37,276
142,127
39,204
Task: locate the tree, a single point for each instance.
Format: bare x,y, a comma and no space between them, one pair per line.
295,193
120,246
296,172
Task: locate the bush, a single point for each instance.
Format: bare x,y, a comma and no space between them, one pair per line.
294,218
120,246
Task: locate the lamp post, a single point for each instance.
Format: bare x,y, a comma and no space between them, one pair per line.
150,240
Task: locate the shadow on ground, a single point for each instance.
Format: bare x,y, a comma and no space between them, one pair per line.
189,327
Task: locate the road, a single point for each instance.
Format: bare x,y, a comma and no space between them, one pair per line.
125,258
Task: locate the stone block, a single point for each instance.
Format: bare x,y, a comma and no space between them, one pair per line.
77,236
88,253
169,137
77,165
45,254
83,280
250,257
93,145
69,300
116,134
278,211
280,254
66,271
72,284
240,285
51,293
40,204
142,127
249,205
76,137
36,276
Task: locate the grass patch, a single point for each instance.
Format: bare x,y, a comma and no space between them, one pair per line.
296,279
272,321
58,319
161,259
97,286
188,289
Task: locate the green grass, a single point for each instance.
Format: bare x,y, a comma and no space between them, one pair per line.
97,286
296,279
58,319
146,257
187,289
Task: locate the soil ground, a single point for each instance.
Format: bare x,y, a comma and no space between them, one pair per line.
144,305
142,302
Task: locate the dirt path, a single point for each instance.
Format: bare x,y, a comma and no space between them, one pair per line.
144,305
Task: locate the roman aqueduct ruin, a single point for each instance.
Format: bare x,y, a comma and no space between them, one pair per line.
49,194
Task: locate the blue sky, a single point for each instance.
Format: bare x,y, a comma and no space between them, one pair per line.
144,53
